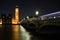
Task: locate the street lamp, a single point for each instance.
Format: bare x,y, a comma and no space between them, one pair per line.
37,13
54,17
27,17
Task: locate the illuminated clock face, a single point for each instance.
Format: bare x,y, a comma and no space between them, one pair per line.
17,10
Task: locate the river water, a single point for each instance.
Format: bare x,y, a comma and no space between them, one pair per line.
9,32
16,32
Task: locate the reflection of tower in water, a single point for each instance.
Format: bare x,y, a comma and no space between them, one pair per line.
16,28
15,20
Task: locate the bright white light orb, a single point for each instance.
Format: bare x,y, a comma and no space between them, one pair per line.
37,12
27,17
54,17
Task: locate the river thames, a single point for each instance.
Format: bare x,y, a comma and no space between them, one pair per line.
9,32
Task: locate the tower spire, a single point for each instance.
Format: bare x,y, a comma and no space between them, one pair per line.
17,13
16,6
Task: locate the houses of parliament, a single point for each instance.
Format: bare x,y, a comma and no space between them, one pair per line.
9,19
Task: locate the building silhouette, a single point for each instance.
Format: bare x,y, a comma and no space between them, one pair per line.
8,19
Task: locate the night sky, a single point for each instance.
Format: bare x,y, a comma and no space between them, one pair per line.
28,7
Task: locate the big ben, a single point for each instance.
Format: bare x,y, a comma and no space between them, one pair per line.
15,20
17,14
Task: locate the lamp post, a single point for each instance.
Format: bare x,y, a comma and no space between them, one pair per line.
28,17
37,12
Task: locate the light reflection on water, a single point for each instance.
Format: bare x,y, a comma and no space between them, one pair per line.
0,32
16,32
9,32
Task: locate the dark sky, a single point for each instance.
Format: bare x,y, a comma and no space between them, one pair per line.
28,7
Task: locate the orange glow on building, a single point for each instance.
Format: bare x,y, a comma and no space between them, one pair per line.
0,21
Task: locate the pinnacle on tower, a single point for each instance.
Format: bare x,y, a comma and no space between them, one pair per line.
16,6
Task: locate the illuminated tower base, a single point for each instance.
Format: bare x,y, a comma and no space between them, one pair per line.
0,21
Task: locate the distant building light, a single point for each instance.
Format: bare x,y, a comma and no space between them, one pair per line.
50,17
54,17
